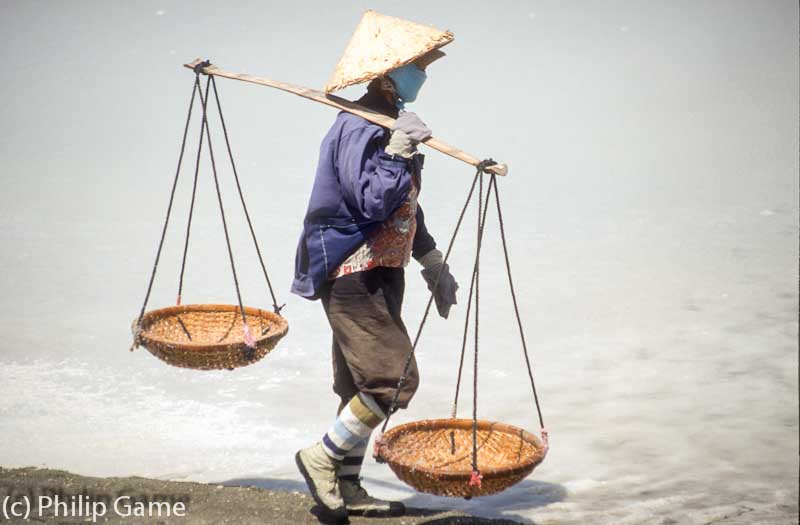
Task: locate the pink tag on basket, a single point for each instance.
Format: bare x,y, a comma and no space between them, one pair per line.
475,479
545,441
249,340
377,449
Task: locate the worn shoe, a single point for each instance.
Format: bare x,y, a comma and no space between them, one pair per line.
358,501
319,471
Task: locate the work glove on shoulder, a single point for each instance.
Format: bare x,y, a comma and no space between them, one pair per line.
408,130
445,293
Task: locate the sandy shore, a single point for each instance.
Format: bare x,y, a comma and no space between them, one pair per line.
199,503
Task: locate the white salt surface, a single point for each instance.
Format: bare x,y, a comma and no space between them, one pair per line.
662,403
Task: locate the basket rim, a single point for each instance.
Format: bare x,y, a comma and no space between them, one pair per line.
151,316
460,423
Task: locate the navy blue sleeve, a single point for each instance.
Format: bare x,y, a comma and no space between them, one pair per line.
423,241
373,183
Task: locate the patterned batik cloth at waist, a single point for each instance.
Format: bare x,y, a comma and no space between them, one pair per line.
388,245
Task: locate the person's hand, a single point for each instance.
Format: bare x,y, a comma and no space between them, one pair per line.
410,124
407,131
445,292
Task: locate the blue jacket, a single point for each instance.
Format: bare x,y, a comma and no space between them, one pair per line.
357,186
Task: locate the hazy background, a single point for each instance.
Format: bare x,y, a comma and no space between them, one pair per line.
651,208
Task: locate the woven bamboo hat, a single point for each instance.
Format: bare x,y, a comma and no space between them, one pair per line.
384,43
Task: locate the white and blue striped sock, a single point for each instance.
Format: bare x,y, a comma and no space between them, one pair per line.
353,426
351,465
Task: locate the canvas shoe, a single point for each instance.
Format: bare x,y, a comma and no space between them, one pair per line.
319,471
358,501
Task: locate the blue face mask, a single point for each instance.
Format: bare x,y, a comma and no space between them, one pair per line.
407,81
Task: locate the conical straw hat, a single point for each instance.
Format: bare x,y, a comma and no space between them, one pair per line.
381,44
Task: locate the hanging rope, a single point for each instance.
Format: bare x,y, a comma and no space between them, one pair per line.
401,382
205,135
191,211
475,479
519,319
480,168
475,275
248,337
138,327
275,306
488,162
454,411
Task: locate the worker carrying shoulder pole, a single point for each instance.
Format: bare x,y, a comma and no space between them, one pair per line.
362,225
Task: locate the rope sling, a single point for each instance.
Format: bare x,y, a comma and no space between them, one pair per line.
400,447
207,338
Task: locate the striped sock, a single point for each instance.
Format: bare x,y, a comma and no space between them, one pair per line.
353,427
351,465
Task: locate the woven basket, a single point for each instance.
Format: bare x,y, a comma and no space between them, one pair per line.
217,335
435,455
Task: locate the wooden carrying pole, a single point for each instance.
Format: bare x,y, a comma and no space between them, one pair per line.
346,105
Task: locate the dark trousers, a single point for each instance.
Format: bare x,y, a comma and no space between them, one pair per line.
370,341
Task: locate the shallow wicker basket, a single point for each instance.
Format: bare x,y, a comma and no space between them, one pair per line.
435,455
209,336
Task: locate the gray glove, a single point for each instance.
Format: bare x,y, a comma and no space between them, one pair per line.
407,131
445,294
410,124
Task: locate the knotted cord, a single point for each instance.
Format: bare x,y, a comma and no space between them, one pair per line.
475,479
138,326
402,380
191,210
516,312
275,306
248,337
205,135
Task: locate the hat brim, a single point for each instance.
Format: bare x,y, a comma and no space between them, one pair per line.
429,57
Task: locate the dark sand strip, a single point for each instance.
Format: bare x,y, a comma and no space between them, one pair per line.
204,503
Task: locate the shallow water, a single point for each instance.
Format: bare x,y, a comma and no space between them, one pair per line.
652,216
